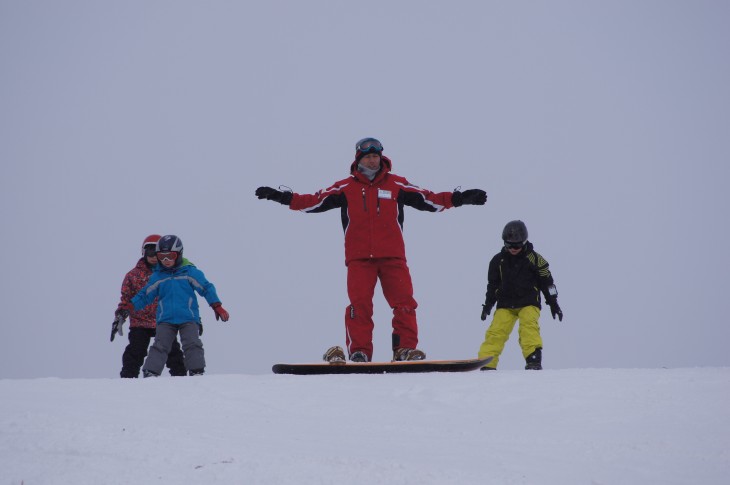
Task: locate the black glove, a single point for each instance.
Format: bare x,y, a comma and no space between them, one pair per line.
200,330
487,308
115,329
119,317
469,197
272,194
555,308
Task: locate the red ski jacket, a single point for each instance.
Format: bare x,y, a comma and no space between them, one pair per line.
372,212
134,281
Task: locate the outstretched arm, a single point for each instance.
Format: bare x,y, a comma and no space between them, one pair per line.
320,201
426,200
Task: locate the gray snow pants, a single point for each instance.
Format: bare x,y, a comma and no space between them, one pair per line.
192,347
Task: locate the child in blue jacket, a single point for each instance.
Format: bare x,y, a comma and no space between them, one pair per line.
174,284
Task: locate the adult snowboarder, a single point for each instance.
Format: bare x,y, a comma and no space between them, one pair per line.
371,202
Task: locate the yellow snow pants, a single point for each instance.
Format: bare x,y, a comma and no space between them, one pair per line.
501,327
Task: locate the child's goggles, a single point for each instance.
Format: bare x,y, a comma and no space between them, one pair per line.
169,256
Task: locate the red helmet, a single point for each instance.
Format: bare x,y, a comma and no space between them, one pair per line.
150,240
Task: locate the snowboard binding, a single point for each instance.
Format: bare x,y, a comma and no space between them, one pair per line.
334,355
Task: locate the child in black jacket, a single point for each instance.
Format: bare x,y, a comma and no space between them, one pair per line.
517,275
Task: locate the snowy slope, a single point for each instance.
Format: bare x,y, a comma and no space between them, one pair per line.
582,426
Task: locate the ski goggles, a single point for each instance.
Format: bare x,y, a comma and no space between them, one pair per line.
514,245
149,251
167,256
369,145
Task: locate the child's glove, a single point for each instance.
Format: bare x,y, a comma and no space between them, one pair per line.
119,317
555,308
117,327
220,312
124,310
487,308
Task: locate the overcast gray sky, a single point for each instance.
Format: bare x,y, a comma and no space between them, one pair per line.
603,125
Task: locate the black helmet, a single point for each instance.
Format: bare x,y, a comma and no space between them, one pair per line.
171,243
515,232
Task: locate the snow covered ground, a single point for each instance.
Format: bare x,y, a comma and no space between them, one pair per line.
581,426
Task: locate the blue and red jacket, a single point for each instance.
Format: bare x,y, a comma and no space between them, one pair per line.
372,211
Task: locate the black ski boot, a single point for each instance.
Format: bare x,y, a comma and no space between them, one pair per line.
534,360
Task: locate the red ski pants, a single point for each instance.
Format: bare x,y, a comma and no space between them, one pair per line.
395,279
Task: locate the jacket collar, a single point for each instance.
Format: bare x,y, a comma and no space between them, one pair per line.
385,166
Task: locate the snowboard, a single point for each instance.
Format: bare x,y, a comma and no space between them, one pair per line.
405,367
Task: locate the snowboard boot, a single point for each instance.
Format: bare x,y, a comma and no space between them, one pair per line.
534,360
359,356
408,354
334,355
149,373
196,372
